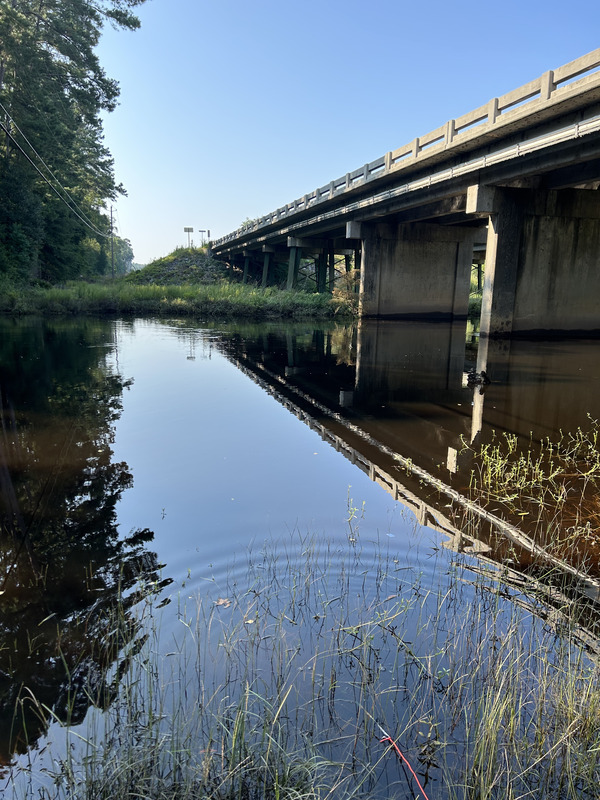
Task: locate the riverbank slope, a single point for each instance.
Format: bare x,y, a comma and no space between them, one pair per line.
185,283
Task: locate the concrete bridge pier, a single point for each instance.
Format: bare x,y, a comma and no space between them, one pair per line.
322,251
293,264
415,270
321,270
542,270
268,254
247,261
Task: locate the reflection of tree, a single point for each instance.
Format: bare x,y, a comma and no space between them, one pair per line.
63,565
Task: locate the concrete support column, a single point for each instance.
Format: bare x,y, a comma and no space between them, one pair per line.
321,268
542,269
294,263
331,260
501,263
265,273
246,268
415,270
558,284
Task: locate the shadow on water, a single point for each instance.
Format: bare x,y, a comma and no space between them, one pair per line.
66,576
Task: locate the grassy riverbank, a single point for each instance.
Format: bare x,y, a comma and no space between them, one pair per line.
215,301
185,283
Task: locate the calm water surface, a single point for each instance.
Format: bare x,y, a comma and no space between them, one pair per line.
174,452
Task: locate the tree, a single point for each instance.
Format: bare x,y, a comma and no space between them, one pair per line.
123,256
52,91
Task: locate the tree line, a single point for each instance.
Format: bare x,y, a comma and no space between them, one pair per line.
56,176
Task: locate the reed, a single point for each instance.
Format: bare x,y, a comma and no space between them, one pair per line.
214,300
277,685
551,487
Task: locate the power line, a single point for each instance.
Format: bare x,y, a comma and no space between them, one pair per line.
35,166
78,213
54,189
11,119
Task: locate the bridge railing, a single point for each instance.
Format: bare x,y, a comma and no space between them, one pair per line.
549,89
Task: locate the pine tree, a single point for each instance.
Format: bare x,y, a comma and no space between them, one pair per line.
56,175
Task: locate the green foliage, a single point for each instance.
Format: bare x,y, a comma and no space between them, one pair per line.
213,300
55,173
475,292
552,486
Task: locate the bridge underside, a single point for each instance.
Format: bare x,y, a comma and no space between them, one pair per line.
534,219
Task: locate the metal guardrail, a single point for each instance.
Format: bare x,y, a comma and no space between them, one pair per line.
551,89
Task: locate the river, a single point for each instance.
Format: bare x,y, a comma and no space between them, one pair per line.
149,464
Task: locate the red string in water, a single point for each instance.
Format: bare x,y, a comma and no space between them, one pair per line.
405,760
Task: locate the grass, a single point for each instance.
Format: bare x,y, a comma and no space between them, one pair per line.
215,300
184,266
551,488
187,282
275,685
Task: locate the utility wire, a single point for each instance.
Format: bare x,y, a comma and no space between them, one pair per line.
78,213
54,189
10,118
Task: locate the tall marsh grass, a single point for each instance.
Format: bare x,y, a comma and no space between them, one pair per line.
214,300
279,682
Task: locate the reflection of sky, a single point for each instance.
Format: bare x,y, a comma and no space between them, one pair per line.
227,463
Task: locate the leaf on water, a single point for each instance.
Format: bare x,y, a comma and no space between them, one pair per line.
223,601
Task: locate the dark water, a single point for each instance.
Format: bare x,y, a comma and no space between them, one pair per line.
164,452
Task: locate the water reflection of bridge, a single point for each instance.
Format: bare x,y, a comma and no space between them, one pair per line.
412,447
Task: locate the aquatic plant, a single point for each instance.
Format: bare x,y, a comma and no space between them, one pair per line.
277,685
551,487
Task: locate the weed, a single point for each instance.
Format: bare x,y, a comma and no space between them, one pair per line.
551,488
278,688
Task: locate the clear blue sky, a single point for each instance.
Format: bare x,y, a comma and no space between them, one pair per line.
230,109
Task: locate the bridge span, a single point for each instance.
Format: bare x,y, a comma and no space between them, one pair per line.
516,179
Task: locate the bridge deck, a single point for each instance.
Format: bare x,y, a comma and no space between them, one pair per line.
515,124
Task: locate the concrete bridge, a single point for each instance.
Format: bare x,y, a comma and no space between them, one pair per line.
515,180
